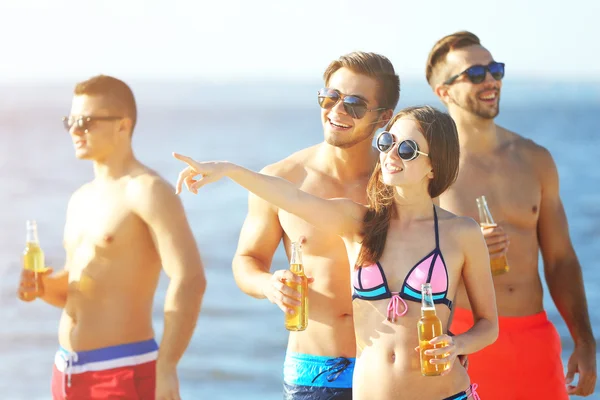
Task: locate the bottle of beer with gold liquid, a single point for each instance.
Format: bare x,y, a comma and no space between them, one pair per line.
33,256
299,319
429,327
498,266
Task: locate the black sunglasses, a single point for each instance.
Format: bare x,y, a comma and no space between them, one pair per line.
407,149
83,122
354,105
476,73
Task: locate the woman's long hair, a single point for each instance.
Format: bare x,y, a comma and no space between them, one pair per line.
440,132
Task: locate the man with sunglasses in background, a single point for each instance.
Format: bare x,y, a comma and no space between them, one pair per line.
121,228
362,90
520,181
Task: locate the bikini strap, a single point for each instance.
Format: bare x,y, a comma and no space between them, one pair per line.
437,235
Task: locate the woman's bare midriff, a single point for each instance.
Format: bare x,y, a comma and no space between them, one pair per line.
387,356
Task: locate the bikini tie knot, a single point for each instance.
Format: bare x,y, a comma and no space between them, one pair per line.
393,307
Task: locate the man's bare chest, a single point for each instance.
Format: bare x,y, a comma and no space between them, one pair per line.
512,190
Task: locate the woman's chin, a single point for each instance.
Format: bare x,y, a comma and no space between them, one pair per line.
390,180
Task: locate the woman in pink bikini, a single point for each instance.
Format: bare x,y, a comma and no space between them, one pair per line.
396,243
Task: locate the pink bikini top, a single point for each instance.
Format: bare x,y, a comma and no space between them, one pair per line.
370,284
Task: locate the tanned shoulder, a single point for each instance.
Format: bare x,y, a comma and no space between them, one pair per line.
539,157
291,166
146,189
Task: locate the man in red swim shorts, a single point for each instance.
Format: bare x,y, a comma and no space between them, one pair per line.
122,228
520,181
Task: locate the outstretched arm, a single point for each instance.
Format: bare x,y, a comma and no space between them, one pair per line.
565,280
339,216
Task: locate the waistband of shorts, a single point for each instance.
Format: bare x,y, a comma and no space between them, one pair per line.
122,355
507,323
323,371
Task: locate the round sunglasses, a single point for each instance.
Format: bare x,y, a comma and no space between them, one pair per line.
354,105
408,149
476,73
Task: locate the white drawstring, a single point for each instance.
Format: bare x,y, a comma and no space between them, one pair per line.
69,358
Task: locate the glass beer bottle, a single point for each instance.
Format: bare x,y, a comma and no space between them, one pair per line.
498,266
429,327
33,256
299,319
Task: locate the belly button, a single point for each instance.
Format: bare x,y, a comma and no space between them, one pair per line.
511,289
393,357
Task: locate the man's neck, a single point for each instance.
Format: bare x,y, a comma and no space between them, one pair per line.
475,134
348,164
114,166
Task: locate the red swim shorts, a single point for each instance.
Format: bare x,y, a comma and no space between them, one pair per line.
524,362
125,371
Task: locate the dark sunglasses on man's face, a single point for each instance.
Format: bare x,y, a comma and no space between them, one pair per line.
354,105
407,149
83,122
476,73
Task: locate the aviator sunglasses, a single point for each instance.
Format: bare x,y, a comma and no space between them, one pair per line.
408,149
476,73
83,122
354,105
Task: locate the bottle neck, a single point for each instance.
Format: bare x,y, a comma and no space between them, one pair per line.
32,236
485,216
296,258
427,303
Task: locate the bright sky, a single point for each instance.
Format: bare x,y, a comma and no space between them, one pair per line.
252,39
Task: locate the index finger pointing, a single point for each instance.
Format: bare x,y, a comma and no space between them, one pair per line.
189,161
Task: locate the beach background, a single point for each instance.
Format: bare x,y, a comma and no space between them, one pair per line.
238,348
237,80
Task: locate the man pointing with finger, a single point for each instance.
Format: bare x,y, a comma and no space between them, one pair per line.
362,90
